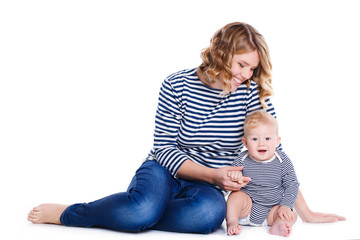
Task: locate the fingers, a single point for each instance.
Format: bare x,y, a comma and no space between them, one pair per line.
243,181
330,218
232,186
237,179
288,216
285,213
324,218
237,175
246,179
234,175
236,168
333,216
236,185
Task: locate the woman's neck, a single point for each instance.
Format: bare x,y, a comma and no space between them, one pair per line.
217,84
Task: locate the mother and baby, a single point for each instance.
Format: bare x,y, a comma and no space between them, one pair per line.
204,117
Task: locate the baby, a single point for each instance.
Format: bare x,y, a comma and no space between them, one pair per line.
269,197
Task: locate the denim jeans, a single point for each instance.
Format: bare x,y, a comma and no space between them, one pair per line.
154,200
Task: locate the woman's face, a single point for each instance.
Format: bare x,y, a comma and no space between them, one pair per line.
242,68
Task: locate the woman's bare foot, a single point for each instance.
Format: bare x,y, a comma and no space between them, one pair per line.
233,229
47,213
280,228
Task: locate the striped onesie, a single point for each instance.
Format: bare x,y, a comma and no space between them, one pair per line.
273,182
195,122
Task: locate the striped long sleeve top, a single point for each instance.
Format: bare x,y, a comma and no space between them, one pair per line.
272,182
195,122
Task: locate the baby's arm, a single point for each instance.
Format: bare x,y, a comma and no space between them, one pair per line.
291,188
236,176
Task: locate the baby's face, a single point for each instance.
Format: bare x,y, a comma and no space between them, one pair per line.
262,142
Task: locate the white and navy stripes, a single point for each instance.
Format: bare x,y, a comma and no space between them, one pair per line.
195,122
272,182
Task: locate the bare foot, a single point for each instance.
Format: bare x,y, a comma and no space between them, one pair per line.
280,228
233,229
47,213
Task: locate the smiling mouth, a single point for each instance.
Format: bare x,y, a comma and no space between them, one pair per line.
238,81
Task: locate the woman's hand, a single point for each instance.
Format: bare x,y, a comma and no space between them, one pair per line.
309,216
315,217
218,176
230,178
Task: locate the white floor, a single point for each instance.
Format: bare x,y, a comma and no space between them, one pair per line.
24,230
15,226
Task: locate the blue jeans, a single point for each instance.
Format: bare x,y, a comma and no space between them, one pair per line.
154,200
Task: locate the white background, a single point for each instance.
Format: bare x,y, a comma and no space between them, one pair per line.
79,83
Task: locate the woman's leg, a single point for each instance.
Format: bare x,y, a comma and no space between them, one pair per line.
137,209
197,208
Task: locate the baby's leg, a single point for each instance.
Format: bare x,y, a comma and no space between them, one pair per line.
238,206
281,227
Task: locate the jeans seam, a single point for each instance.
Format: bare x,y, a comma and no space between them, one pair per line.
193,195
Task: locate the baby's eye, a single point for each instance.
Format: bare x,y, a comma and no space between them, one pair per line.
254,139
268,139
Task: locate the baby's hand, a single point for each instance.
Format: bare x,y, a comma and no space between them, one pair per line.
285,212
236,176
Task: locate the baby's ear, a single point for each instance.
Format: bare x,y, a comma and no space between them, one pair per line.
244,141
278,141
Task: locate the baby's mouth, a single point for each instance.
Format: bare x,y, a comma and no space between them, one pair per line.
262,151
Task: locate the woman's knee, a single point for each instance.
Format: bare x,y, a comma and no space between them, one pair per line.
138,215
146,199
152,177
211,213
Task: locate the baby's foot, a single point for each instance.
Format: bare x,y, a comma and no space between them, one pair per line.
47,213
233,229
281,229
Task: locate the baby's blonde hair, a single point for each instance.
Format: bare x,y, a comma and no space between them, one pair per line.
257,118
237,38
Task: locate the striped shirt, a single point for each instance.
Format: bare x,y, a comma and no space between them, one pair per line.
195,122
272,182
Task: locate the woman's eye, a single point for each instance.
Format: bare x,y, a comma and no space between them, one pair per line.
241,65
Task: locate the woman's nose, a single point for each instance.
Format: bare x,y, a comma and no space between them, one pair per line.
248,74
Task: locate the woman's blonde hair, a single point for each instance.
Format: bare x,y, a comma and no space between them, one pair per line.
237,38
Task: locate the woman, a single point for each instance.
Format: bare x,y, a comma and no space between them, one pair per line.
199,126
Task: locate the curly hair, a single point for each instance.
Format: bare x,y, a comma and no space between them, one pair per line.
237,38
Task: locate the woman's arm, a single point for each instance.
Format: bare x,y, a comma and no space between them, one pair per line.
307,215
192,171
